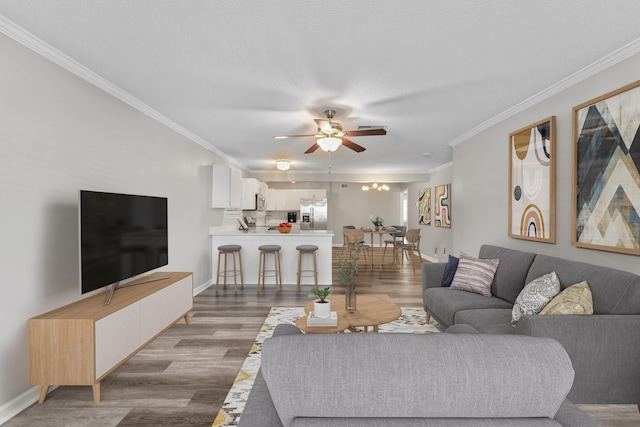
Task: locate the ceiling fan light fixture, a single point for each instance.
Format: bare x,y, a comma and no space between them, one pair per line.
329,143
283,164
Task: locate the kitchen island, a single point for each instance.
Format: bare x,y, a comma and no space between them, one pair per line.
251,239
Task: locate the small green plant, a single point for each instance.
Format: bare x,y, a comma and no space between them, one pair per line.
377,221
322,294
347,268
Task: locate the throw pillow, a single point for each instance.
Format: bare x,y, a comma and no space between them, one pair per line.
450,271
535,295
475,275
576,299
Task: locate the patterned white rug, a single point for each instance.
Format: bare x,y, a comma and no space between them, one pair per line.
412,321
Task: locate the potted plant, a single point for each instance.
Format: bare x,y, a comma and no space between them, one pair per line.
347,269
377,222
322,306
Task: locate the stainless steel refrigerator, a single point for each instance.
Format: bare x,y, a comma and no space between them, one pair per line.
313,214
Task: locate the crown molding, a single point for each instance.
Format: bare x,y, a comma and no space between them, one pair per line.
44,49
598,66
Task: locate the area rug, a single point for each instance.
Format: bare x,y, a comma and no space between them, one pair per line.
412,321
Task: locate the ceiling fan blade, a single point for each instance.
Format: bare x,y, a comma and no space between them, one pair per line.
292,136
350,144
324,125
313,148
366,132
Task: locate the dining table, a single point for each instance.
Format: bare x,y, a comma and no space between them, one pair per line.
372,231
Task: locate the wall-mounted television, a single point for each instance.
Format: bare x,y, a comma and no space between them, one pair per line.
121,236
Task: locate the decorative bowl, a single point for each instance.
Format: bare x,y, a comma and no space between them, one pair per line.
284,229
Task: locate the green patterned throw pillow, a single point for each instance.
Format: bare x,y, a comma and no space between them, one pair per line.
576,299
535,296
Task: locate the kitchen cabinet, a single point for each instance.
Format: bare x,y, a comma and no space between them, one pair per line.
272,199
263,188
227,187
289,199
250,187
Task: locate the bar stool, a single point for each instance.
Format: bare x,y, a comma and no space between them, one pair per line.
233,250
311,250
264,251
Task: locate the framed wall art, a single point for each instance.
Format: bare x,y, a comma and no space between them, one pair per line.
532,182
606,177
442,214
424,206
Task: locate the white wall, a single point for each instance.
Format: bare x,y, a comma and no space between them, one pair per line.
60,134
432,237
480,177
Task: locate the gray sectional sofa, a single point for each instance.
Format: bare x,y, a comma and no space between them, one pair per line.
604,347
442,380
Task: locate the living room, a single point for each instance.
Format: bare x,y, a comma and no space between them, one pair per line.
62,133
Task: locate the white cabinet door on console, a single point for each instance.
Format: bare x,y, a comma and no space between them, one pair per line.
160,310
117,337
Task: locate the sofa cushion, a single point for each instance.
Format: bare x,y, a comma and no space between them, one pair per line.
301,371
613,291
487,321
475,275
535,296
444,303
450,271
576,299
511,274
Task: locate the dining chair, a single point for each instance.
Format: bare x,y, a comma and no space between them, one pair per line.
413,244
355,242
395,241
344,239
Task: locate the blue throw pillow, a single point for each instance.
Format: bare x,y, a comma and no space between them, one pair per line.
450,271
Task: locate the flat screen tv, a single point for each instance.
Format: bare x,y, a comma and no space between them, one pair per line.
121,236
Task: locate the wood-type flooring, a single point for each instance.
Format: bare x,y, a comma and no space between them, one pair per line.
182,378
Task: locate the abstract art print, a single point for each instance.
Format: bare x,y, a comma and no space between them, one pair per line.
442,215
532,182
606,164
424,206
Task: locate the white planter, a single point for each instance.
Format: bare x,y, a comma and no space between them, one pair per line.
322,310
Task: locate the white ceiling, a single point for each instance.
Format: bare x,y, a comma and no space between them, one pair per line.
235,73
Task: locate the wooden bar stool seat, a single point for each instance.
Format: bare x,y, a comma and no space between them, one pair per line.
262,271
234,251
307,250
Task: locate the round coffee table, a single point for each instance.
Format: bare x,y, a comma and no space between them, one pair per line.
370,312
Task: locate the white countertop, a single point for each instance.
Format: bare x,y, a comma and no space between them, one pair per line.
264,231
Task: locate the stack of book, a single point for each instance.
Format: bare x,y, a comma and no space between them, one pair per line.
332,320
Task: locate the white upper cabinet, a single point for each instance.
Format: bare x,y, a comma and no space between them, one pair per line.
250,187
227,187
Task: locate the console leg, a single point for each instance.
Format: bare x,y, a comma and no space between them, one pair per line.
186,319
96,392
43,393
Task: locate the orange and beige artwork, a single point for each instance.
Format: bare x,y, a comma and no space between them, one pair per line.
531,183
442,214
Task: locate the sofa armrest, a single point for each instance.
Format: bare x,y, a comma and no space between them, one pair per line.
432,273
604,352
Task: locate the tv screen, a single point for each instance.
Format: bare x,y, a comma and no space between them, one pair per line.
121,236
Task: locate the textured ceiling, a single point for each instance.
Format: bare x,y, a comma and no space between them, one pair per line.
237,73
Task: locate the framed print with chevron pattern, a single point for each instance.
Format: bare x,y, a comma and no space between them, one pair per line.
532,182
606,178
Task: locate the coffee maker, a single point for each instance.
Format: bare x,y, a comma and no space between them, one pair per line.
292,217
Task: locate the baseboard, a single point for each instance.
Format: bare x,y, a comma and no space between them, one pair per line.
202,287
20,403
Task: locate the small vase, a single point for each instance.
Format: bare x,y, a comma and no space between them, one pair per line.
322,310
350,298
376,227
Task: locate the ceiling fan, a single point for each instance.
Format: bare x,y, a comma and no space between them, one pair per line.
330,135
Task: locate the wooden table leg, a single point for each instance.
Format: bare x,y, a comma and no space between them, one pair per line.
43,393
96,392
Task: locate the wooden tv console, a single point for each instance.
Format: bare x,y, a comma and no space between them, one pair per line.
83,342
